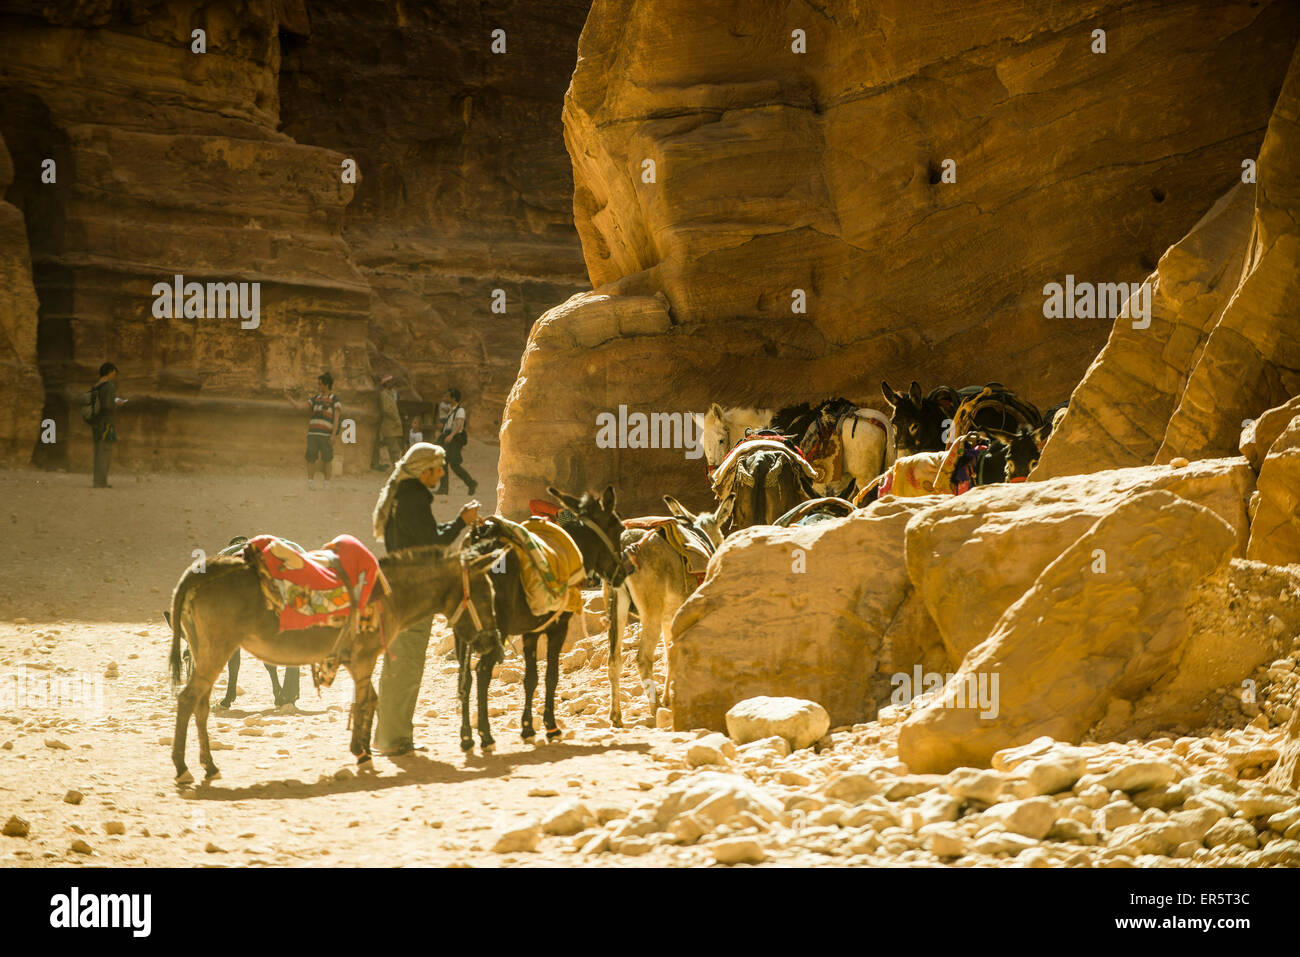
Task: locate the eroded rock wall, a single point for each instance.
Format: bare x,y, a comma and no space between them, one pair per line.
466,187
719,169
20,381
168,162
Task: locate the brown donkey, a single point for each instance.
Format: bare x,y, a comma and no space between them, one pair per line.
222,609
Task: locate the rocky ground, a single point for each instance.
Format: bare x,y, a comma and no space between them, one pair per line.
86,719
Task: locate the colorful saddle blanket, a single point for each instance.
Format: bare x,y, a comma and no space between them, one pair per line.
318,588
551,569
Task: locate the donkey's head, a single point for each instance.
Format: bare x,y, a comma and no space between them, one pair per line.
596,528
706,522
919,420
1023,450
714,434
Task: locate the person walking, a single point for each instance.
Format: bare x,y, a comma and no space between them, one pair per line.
389,434
452,437
103,427
403,518
322,427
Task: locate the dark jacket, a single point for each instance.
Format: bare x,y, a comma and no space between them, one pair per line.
412,522
105,426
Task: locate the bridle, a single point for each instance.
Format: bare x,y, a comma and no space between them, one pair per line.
621,561
466,603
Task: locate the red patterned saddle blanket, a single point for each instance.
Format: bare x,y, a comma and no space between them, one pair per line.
318,588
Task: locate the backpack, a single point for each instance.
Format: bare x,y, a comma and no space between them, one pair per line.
90,409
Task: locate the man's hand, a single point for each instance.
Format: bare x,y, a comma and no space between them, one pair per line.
469,512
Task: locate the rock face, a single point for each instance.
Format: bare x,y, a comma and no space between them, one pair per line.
20,381
465,184
1078,638
1224,341
168,162
719,167
228,166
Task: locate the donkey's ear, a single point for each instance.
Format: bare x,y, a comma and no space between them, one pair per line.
914,393
678,509
715,410
607,498
569,501
890,395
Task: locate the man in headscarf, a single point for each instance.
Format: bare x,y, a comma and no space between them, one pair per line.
403,518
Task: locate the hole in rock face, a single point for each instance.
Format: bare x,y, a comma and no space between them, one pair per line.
1148,261
1158,194
936,174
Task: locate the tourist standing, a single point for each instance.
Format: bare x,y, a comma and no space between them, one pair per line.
322,427
103,426
403,518
452,437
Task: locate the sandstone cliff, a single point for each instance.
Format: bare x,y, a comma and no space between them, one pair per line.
466,187
717,171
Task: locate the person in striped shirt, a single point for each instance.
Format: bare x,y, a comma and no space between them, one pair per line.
322,427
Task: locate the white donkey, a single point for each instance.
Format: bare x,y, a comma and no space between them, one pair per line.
658,587
865,443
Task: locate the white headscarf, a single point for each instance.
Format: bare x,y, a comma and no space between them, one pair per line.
420,456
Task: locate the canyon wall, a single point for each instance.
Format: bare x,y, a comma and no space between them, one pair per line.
466,187
764,225
228,165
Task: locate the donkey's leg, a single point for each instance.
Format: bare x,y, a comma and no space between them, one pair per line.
276,691
485,665
208,659
554,645
462,690
530,686
361,667
651,616
232,680
616,601
201,709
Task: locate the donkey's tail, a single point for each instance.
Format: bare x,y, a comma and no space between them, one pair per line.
174,619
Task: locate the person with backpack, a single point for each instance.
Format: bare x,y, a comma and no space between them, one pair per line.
99,410
452,437
322,428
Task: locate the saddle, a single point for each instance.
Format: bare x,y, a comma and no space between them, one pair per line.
551,569
691,545
330,587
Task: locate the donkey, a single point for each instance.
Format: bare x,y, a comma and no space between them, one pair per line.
862,440
220,610
923,423
775,485
595,528
656,589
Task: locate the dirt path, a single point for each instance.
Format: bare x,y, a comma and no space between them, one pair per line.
87,576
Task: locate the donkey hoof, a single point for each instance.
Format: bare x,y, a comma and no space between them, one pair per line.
211,775
616,721
467,746
555,734
366,766
185,778
489,749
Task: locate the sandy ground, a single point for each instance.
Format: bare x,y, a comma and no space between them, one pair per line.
87,575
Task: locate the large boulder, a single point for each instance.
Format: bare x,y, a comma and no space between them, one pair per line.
800,612
972,556
798,722
1080,638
